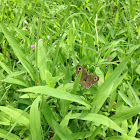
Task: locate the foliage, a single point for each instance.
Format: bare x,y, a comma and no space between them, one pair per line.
38,98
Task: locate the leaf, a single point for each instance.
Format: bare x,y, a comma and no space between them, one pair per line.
5,67
49,79
126,99
113,92
35,122
45,90
18,52
41,59
15,74
61,132
11,136
95,132
64,124
76,82
121,138
135,95
98,119
15,81
105,89
138,69
126,114
16,113
134,128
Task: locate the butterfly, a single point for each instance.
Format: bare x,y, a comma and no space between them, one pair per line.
89,79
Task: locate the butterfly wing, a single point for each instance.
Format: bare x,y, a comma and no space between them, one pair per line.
91,79
84,73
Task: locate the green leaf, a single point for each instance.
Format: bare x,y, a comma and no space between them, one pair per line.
134,128
49,79
134,94
18,52
15,74
138,69
126,114
61,132
126,99
95,132
42,59
45,90
15,81
105,89
98,119
5,67
76,82
113,92
35,122
64,124
121,138
11,136
48,114
16,113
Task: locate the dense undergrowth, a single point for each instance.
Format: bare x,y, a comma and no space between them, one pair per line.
41,42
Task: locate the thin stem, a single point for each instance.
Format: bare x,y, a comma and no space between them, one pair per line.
36,48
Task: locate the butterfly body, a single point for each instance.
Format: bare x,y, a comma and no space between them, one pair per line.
89,79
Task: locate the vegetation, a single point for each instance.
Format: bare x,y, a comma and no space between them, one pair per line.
41,42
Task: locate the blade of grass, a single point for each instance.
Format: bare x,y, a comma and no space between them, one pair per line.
76,82
134,94
126,99
15,113
45,90
61,132
121,138
11,136
18,52
103,92
41,60
35,122
99,119
37,38
13,126
3,65
95,132
133,130
126,114
15,81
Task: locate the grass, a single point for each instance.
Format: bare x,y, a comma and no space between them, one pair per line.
40,98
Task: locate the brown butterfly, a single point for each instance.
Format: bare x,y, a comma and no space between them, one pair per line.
89,79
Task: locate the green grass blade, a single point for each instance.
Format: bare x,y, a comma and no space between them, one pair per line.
134,94
76,82
64,124
11,136
48,114
49,79
121,138
126,114
41,60
15,74
98,119
95,132
56,93
61,132
15,81
103,92
35,122
3,65
113,92
133,130
18,52
15,113
126,99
